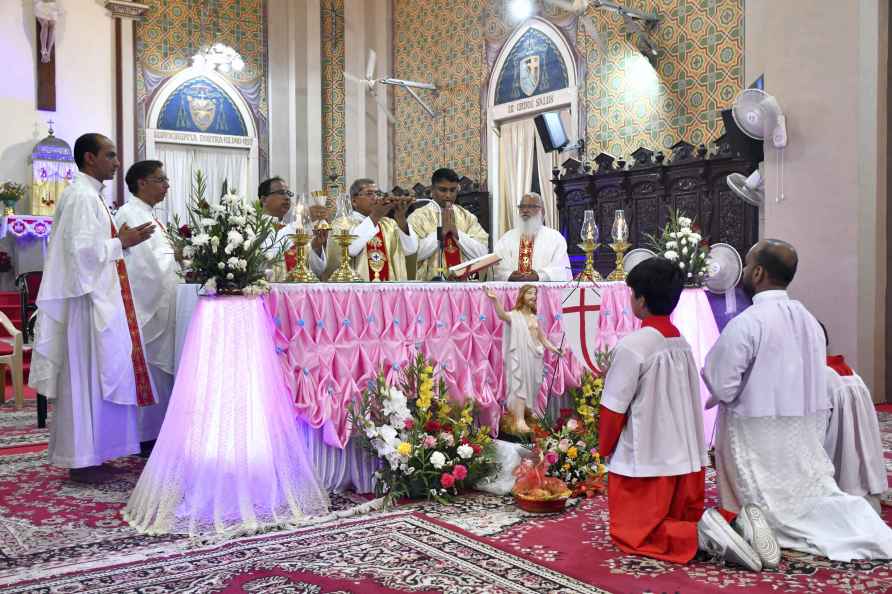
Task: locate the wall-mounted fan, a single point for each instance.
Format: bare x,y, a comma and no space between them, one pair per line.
639,24
759,116
372,84
724,269
635,257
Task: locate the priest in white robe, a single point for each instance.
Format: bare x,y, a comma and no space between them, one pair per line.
88,354
276,198
462,236
153,273
767,374
531,251
382,244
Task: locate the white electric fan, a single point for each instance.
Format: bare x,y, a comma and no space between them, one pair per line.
723,271
759,116
635,257
371,84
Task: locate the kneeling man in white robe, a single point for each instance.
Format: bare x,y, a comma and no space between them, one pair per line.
767,374
531,251
152,270
88,355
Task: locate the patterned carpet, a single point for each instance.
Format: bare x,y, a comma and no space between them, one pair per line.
57,536
19,427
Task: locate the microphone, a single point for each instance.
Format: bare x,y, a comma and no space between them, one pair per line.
441,273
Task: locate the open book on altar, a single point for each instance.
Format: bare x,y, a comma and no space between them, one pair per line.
476,265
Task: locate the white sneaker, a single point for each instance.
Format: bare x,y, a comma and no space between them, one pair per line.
716,537
753,527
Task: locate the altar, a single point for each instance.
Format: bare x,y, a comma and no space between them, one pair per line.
332,339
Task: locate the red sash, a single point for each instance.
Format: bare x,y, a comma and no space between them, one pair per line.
376,249
144,395
451,251
525,256
838,364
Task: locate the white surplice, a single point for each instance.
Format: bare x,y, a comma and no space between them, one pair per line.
852,438
82,345
550,260
152,271
767,373
653,380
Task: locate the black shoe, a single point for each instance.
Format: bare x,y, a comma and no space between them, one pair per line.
145,448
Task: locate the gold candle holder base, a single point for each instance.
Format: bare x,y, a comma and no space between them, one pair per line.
301,273
588,272
619,247
345,272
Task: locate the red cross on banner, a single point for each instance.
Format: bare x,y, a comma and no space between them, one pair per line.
580,311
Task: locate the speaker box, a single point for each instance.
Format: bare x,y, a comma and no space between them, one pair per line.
741,144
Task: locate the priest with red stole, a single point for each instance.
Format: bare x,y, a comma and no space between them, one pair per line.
88,352
463,238
651,427
382,243
531,251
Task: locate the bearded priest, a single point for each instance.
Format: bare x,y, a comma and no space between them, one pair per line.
463,237
531,251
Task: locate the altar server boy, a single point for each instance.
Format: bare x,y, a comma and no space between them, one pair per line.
852,436
651,426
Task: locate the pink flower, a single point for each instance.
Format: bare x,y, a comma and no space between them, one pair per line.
409,424
447,438
429,441
564,445
447,480
593,452
572,424
551,458
459,472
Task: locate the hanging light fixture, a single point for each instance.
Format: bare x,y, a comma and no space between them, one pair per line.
218,57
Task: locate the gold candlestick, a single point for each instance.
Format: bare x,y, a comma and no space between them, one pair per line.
301,273
589,246
345,272
619,247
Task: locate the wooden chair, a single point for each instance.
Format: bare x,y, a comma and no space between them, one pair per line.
13,360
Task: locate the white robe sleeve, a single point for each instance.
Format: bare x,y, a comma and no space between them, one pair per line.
621,383
364,232
728,363
558,267
427,246
470,247
409,242
507,264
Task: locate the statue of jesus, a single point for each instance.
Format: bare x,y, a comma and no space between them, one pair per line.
523,349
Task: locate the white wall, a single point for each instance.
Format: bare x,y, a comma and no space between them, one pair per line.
825,62
84,80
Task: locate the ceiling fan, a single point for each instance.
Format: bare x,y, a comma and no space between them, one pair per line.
637,23
372,84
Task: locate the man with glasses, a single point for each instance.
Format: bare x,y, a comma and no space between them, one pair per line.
462,237
152,270
276,200
531,251
382,243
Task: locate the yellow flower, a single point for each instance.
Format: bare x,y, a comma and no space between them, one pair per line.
428,369
405,448
565,467
602,469
572,453
599,383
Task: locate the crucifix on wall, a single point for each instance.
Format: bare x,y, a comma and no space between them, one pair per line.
46,13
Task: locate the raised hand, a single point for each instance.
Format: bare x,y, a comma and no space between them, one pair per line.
490,293
136,235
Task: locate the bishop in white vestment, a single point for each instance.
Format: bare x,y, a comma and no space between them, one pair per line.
767,374
87,351
531,251
152,270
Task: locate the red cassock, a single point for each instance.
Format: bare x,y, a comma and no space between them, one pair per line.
652,516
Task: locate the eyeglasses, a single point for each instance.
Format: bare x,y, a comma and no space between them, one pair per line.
288,193
529,207
160,180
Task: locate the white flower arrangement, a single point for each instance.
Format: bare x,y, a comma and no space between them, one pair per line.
226,247
682,243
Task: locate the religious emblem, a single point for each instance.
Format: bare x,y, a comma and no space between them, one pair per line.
529,74
202,109
581,310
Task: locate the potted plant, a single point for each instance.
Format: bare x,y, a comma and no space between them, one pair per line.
10,193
